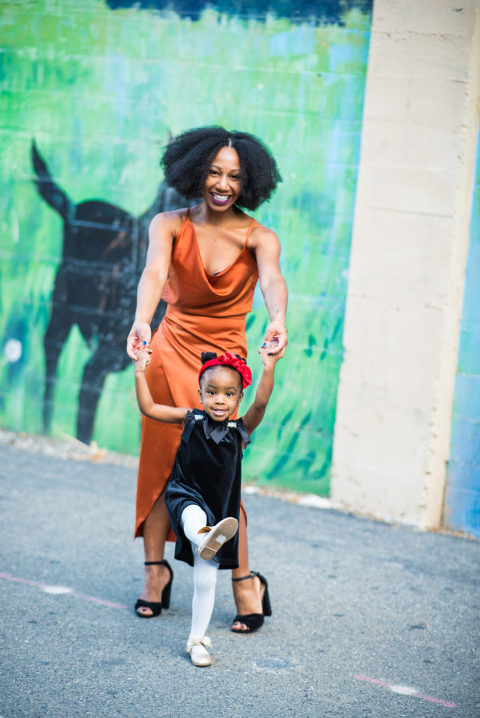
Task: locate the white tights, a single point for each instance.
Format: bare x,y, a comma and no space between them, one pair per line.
204,572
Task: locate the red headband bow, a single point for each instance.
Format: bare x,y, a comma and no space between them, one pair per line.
228,359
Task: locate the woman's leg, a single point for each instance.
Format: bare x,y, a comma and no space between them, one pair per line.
155,531
246,594
157,454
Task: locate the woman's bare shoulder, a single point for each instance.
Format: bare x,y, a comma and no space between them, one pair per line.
172,220
167,225
262,235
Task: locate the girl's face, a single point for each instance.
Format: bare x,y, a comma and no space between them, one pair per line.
220,392
223,184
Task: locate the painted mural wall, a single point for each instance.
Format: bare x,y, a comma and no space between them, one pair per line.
462,505
91,92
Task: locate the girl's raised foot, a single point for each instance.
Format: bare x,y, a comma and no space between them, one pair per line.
216,536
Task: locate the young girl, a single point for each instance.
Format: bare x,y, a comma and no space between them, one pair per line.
203,492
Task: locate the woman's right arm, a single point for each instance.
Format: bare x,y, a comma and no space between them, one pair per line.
161,233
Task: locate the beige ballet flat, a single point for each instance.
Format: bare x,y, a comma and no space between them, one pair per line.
216,537
197,649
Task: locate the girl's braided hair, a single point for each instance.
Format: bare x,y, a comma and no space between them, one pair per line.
207,356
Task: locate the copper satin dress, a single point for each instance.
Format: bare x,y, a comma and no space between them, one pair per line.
205,313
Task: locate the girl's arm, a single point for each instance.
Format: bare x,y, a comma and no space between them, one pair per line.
160,412
161,233
256,412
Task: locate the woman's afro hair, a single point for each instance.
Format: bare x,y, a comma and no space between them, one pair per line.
187,158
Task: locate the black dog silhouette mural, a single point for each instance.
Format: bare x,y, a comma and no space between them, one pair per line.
103,255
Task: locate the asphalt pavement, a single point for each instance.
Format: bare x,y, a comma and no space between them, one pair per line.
368,619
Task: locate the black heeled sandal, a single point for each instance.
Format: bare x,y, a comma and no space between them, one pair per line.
156,606
254,621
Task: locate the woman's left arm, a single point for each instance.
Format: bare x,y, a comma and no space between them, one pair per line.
274,288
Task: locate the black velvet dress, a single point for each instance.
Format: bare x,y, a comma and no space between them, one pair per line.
207,472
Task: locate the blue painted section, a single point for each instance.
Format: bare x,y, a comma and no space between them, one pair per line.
297,11
462,504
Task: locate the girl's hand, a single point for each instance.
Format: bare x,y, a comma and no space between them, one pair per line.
143,359
276,336
139,336
268,356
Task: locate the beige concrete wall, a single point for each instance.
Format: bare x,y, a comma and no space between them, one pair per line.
408,260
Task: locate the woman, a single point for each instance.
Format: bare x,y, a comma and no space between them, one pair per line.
205,262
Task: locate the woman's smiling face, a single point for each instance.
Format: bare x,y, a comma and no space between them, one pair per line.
223,184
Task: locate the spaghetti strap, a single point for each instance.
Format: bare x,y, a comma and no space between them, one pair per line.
249,232
182,226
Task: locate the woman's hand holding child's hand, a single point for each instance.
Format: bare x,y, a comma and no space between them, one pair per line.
268,359
140,335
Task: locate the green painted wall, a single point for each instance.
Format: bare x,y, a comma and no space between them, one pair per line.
100,90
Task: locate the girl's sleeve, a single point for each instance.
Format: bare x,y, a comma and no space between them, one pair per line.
243,433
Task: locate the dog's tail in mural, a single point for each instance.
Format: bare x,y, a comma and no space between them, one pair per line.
48,188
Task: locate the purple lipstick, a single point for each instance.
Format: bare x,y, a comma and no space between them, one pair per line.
220,200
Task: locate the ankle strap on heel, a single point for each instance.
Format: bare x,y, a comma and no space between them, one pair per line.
244,578
156,563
